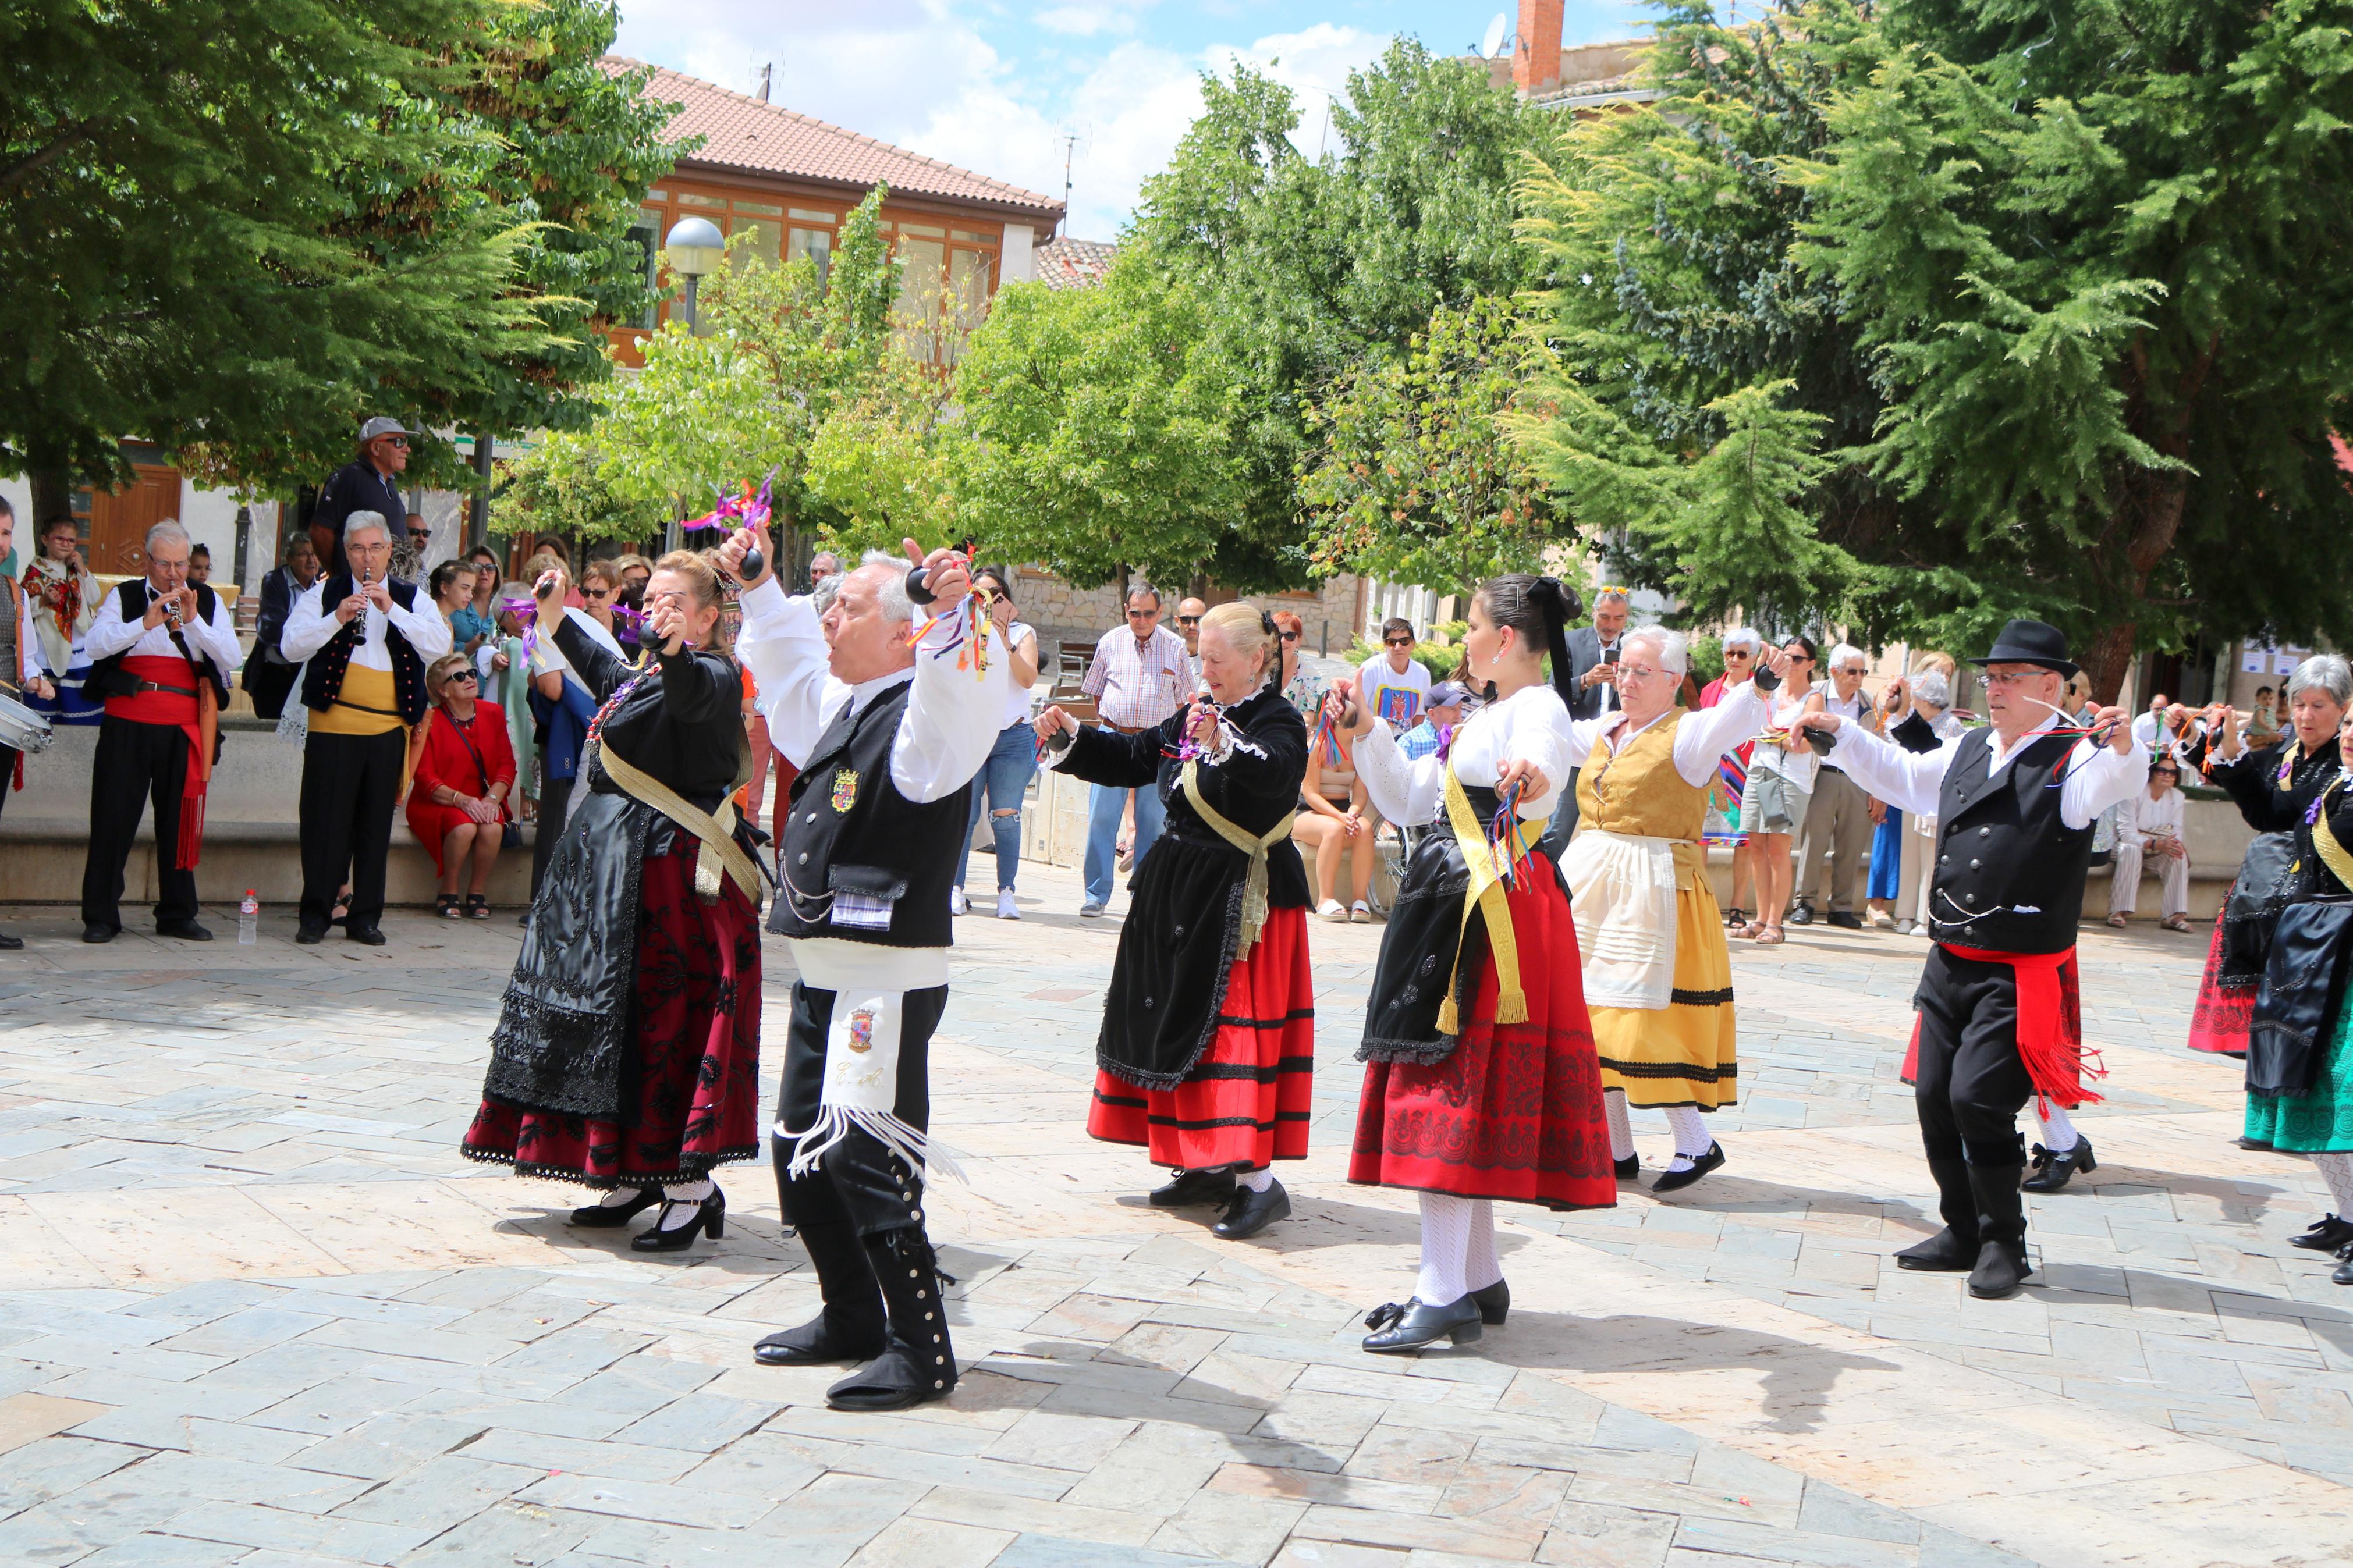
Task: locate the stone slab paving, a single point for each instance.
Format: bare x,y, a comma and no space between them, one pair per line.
254,1308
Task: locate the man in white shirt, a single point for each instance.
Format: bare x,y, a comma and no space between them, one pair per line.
368,638
1395,685
1189,626
1999,1015
1840,818
160,650
2149,834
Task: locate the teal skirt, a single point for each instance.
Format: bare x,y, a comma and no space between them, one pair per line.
2320,1120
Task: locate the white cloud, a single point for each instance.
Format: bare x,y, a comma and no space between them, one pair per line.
1085,21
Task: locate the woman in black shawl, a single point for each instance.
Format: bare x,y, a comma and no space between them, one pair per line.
1207,1051
628,1050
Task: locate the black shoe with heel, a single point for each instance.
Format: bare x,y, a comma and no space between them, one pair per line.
710,1219
2053,1172
1674,1181
1398,1329
608,1216
1495,1302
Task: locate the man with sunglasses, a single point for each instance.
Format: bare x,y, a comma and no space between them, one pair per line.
1140,675
369,482
1189,626
1395,685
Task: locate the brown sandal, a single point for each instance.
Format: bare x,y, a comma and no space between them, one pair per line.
1771,936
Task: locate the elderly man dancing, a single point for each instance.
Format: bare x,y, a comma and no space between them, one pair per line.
1999,1015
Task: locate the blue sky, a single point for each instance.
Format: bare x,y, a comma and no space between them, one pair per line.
996,87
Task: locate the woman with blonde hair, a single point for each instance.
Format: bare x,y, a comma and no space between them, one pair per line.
627,1055
1208,1048
464,773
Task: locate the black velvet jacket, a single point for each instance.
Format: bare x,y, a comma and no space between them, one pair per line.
565,1038
1168,983
2268,876
2302,991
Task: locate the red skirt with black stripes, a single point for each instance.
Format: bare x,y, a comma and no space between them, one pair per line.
1245,1103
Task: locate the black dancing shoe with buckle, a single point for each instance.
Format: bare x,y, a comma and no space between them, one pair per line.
605,1216
1191,1187
2327,1234
2053,1172
710,1218
1398,1329
1251,1212
1495,1302
1674,1180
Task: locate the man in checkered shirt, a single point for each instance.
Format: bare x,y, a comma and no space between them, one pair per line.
1139,678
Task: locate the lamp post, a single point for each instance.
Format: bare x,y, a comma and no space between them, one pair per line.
696,247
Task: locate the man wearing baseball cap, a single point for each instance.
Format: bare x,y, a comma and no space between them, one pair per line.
366,483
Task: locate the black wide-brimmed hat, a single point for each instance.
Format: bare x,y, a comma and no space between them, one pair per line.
2031,642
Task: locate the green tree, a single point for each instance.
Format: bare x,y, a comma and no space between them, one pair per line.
1096,434
1413,478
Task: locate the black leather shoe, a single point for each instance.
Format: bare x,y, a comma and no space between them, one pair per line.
1844,920
1192,1187
1629,1168
10,944
709,1217
1804,915
2053,1172
366,936
2257,1144
820,1341
1252,1212
1398,1329
310,936
2344,1273
1495,1302
606,1217
2329,1234
97,933
2000,1269
1947,1252
187,930
1674,1181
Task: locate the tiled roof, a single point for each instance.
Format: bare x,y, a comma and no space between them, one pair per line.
1073,263
739,131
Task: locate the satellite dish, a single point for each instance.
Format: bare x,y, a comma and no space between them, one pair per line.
1492,44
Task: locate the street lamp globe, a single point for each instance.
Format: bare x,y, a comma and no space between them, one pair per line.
696,247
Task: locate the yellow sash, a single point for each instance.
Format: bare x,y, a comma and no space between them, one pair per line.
1254,883
2332,853
716,829
1486,894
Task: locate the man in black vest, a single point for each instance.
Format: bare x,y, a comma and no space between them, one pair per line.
368,640
886,735
1999,1020
156,644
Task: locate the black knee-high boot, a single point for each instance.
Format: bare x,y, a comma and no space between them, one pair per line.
2001,1266
918,1363
1955,1248
851,1326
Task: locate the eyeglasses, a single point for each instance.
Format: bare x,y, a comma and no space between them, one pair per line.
1396,642
2014,677
1636,672
421,535
597,592
1189,620
1290,636
1611,591
1737,653
399,441
1143,614
459,675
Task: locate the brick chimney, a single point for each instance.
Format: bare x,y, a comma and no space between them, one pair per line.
1535,57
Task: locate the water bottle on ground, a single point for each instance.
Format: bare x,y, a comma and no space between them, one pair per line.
248,920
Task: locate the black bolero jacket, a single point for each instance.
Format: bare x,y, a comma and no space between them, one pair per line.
685,726
1168,984
2252,783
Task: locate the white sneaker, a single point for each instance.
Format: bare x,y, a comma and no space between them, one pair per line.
957,903
1332,909
1360,914
1005,910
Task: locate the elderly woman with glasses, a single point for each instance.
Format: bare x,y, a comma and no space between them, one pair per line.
464,771
1657,976
1741,647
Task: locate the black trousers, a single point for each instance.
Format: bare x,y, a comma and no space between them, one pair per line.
554,804
7,773
859,1182
350,784
1970,1084
136,763
269,683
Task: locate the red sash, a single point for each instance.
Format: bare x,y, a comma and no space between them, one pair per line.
185,706
2050,1024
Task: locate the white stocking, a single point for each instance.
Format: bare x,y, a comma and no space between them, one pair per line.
619,1198
2336,1170
1481,1267
1622,1126
676,1214
1256,1181
1692,1137
2059,1134
1445,1248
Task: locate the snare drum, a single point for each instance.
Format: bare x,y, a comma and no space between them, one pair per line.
21,727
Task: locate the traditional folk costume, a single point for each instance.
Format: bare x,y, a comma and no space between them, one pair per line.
2300,1046
164,690
364,685
1206,1056
864,867
1658,975
64,602
1481,1080
2273,787
1999,1015
627,1055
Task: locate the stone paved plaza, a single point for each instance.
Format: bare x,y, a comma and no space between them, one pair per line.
258,1311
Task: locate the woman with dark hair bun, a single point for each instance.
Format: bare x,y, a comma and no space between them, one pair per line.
1481,1080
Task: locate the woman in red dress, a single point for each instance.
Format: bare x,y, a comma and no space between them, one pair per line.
1208,1053
465,771
1480,1078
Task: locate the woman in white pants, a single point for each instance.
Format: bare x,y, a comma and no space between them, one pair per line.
2148,837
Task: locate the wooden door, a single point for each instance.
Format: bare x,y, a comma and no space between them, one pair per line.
119,521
